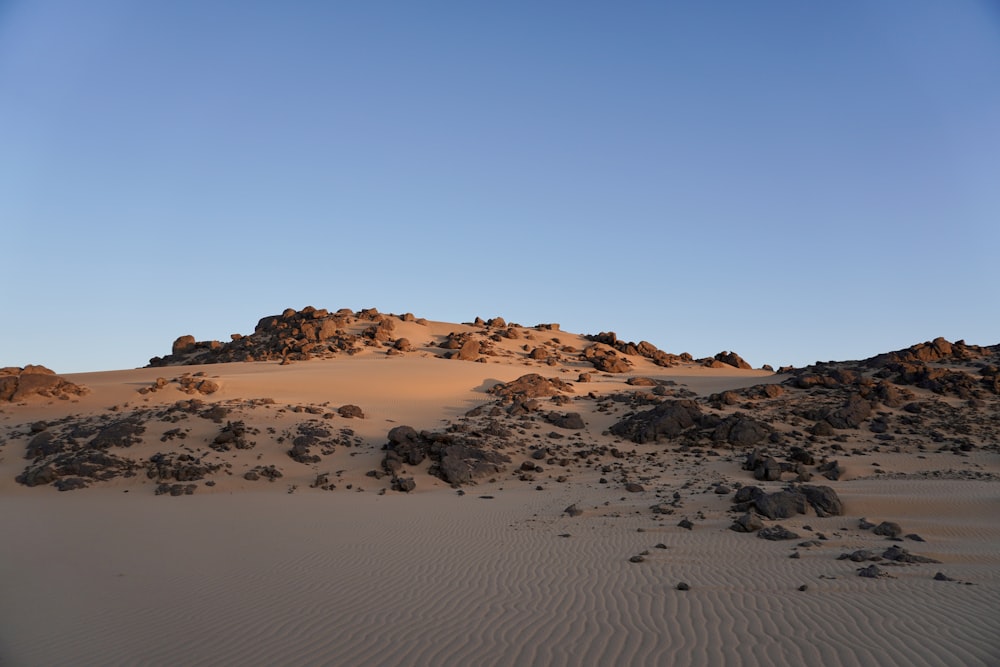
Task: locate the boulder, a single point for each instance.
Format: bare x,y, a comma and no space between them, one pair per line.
183,344
732,359
747,523
776,533
781,504
667,420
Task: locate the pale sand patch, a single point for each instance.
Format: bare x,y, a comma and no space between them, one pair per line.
360,579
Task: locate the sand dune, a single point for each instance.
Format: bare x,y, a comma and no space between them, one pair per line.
329,564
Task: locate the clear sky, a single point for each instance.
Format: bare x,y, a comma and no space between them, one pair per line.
795,181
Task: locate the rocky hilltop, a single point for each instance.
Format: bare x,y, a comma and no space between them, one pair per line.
310,333
788,427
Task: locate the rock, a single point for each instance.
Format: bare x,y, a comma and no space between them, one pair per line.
768,470
667,420
823,499
741,430
941,576
682,586
747,523
781,504
732,359
747,493
723,490
888,529
350,412
463,464
776,533
183,344
855,411
18,384
470,351
872,572
901,555
403,484
832,470
530,386
684,523
573,510
571,420
636,559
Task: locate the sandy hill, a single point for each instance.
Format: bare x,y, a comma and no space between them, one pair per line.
849,467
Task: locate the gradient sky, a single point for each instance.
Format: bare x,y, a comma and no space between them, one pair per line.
793,181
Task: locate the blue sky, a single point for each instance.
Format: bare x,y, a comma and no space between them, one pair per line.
793,181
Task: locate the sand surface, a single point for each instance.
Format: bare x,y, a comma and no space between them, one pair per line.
495,573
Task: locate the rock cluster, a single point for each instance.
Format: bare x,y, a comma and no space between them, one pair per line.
293,336
674,418
17,384
457,457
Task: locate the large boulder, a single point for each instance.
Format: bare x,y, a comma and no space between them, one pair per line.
732,359
529,386
18,384
667,420
851,415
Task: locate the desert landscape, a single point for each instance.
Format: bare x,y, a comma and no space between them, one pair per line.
344,487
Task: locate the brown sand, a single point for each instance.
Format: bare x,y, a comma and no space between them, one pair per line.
258,573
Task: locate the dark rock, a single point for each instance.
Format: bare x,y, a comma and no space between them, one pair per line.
634,487
832,470
781,504
888,529
747,523
573,510
732,359
855,411
901,555
776,533
767,470
350,412
571,420
682,586
872,572
666,420
404,484
684,523
824,500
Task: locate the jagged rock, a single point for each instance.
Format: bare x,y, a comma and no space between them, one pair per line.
183,344
732,359
463,464
741,430
747,523
666,420
872,572
776,533
767,470
350,412
888,529
781,504
530,386
403,484
900,555
823,499
570,420
18,384
605,359
855,411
